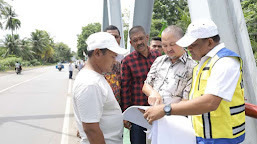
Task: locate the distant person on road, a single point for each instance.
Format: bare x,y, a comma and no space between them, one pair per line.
80,66
18,65
97,112
70,70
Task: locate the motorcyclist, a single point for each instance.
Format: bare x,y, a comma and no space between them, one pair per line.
59,66
18,65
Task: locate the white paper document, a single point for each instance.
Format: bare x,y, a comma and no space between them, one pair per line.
133,115
167,130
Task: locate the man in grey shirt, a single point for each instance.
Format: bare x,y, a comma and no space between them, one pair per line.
169,79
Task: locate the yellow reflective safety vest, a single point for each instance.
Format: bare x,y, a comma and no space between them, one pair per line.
225,125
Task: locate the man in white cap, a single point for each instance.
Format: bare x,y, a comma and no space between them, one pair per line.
217,95
97,112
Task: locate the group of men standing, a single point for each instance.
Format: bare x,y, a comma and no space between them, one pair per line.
173,84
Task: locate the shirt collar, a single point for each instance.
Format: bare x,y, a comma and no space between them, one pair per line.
150,52
182,58
216,49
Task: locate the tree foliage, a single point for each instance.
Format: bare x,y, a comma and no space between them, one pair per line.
62,52
12,43
125,21
86,32
250,14
39,41
3,6
12,23
169,12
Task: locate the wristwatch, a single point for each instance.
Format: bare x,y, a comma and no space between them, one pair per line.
167,109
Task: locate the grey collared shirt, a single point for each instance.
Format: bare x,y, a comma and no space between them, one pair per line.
171,80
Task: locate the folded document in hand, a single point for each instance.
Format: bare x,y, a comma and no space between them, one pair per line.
167,130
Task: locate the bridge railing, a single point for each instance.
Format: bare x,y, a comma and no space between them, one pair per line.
251,110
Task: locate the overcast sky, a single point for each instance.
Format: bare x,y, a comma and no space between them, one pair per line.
63,19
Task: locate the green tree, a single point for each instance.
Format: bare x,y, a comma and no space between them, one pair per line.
250,14
12,23
125,21
62,52
3,5
12,45
168,10
156,27
2,52
25,47
48,51
184,20
40,41
86,32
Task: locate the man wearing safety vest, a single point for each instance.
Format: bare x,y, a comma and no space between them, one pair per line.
217,94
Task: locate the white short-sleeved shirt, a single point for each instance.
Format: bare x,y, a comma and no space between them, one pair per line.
94,101
17,64
224,75
70,67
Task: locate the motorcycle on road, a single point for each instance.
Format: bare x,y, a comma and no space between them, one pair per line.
59,67
18,70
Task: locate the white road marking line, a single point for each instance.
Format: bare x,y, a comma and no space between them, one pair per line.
66,121
69,90
20,83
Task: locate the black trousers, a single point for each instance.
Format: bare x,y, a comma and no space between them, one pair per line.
70,74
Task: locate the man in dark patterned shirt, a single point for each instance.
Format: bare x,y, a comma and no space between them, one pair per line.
134,69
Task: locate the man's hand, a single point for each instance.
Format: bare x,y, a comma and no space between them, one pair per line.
154,113
154,98
127,124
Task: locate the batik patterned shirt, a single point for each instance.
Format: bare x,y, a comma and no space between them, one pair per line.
172,80
113,78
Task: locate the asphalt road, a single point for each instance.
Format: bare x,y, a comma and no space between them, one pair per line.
36,108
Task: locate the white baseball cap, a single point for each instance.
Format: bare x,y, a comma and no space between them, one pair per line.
204,28
102,40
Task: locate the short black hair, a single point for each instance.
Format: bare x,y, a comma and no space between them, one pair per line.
90,53
136,29
216,38
111,27
156,39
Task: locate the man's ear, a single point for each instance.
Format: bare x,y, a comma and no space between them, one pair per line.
97,52
211,43
147,37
